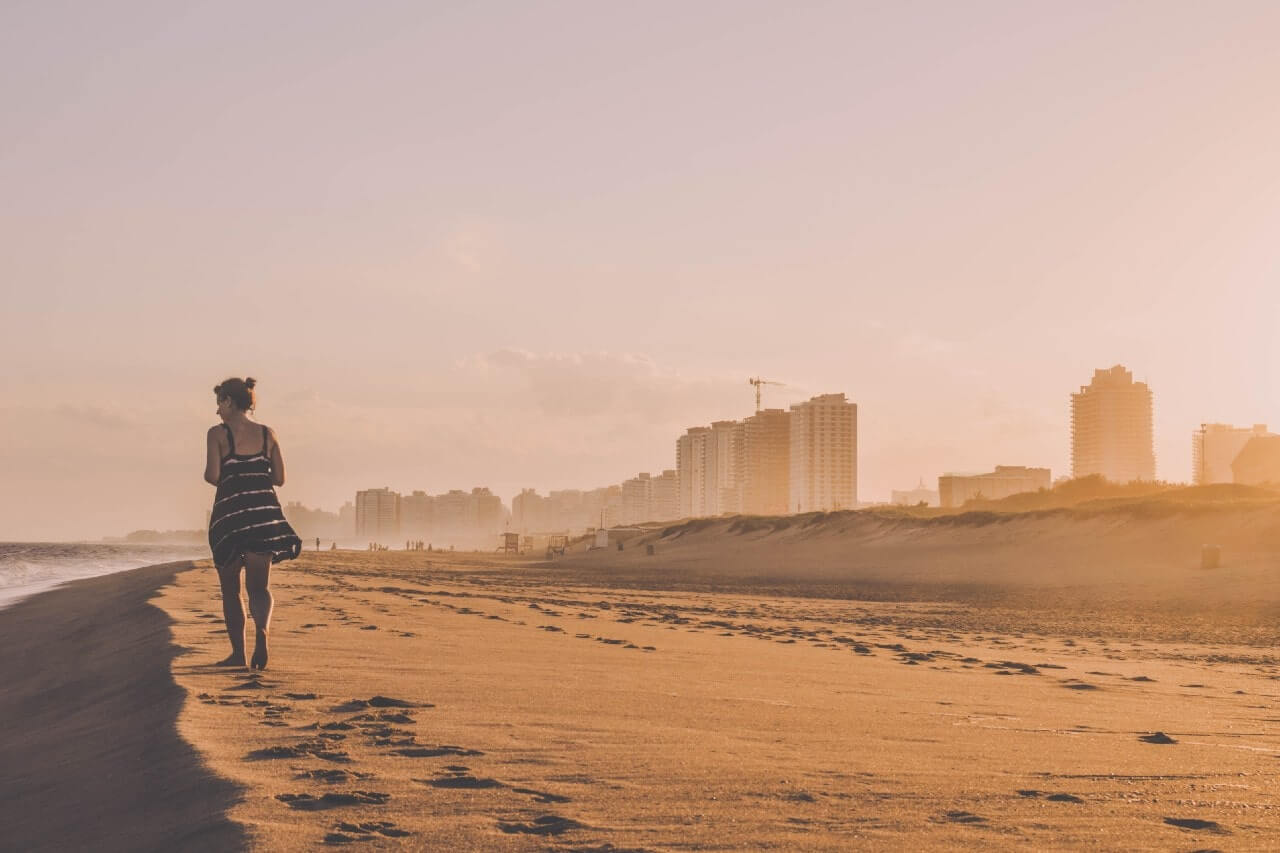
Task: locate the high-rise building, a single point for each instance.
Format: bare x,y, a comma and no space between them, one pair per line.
452,516
417,515
664,497
823,455
347,521
723,497
955,490
1258,464
1111,430
764,466
567,513
1215,446
486,513
530,512
636,496
378,514
696,472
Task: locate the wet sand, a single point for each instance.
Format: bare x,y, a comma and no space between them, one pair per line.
90,755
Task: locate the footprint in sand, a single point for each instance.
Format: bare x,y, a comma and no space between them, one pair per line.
333,777
434,751
1197,824
1156,737
318,748
378,702
541,796
385,717
333,800
545,825
461,780
1010,667
350,833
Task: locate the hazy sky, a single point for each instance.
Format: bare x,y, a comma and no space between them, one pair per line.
527,244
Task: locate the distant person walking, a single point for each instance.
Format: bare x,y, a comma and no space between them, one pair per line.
247,528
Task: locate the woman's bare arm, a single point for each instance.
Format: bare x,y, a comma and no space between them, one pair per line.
213,457
277,461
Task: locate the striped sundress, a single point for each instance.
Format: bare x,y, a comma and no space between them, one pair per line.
246,517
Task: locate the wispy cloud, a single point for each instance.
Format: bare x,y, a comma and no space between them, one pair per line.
95,417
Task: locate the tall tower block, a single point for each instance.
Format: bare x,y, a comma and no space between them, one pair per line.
1111,431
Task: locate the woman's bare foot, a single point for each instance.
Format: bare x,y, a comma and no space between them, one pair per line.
259,660
233,659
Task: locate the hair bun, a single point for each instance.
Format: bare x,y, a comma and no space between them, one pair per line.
249,382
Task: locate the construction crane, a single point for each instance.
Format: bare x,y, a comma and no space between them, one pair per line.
757,381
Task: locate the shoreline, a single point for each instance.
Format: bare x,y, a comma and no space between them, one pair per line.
91,750
56,564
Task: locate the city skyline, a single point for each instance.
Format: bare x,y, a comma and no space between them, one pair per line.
458,253
619,516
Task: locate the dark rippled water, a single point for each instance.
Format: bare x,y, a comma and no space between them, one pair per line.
29,567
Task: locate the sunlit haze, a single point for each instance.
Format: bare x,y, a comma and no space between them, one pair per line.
528,245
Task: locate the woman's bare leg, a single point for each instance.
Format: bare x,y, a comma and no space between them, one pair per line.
232,612
257,579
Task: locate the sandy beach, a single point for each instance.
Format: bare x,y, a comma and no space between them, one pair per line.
606,703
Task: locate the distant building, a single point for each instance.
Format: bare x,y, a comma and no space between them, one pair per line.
823,453
1258,463
1215,446
726,439
490,515
610,506
530,512
955,490
921,494
696,472
664,497
764,463
637,495
601,507
451,515
311,523
567,512
378,514
347,521
1111,431
417,515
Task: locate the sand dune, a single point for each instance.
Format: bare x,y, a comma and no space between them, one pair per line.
1138,565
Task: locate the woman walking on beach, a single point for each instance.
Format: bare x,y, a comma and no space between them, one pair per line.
247,528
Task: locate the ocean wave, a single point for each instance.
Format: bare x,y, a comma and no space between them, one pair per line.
28,567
